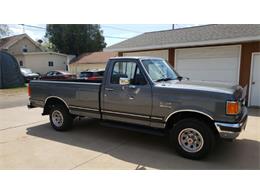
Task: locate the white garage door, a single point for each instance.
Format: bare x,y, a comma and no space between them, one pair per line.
219,64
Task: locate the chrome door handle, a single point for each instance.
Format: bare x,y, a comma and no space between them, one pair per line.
109,89
131,98
131,86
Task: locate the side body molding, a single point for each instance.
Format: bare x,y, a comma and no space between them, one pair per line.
56,98
188,110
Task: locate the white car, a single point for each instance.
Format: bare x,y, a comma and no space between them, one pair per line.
29,75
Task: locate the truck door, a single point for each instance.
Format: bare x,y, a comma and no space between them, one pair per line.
127,96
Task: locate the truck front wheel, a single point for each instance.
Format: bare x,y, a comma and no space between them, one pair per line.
60,118
192,138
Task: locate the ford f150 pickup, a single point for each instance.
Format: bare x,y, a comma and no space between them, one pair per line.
147,94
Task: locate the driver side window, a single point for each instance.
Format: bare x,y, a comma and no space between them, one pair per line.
128,70
49,73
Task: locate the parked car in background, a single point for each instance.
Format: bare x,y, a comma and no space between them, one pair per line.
92,75
29,75
58,75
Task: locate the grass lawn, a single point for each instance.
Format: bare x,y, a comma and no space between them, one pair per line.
13,91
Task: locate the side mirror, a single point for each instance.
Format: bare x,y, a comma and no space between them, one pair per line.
124,81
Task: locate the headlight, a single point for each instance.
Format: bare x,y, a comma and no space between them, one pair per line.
233,107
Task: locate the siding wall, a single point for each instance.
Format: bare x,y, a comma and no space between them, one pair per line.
19,58
155,53
171,57
39,62
245,63
17,48
77,68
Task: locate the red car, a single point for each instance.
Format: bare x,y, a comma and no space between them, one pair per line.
58,75
92,75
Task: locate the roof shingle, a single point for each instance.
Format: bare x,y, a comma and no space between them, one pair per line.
94,58
189,36
6,42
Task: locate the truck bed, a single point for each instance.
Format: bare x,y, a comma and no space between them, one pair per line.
75,80
78,95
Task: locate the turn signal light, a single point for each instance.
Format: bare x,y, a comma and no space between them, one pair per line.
232,107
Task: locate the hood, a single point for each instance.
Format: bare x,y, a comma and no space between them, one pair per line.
201,86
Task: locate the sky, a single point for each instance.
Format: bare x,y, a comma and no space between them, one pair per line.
114,33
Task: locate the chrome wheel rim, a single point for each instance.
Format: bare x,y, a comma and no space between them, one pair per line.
57,118
190,140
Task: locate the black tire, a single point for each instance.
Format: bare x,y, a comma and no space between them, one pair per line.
180,138
67,121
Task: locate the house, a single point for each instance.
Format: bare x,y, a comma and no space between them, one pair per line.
228,53
43,62
19,44
31,54
95,60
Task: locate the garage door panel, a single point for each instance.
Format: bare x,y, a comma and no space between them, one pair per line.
217,64
195,75
209,63
209,52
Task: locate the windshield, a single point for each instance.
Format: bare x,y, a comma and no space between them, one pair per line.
159,70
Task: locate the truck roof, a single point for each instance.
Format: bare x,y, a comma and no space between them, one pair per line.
136,57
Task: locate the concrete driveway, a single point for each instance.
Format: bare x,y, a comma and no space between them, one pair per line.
27,141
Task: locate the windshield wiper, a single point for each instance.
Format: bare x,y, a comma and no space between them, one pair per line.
164,79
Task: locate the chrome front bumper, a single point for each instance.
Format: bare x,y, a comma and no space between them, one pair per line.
230,131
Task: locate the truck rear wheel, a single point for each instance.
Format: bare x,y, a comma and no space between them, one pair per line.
192,138
60,118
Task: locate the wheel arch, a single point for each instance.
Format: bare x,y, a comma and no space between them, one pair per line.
176,116
51,101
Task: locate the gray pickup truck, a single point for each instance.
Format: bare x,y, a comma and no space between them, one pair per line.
146,94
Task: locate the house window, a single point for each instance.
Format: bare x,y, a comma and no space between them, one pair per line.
21,63
25,48
50,63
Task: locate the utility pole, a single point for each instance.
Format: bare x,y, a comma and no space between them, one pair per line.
23,28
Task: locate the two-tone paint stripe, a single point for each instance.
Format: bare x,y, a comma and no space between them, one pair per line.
134,116
120,114
84,109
